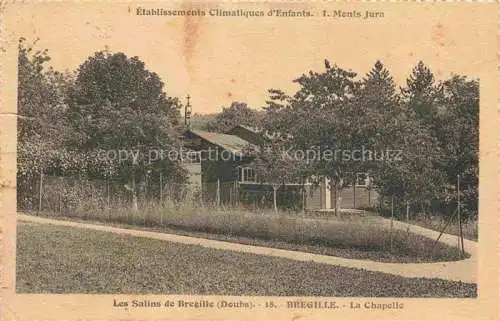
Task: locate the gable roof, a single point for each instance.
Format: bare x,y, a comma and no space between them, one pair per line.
232,143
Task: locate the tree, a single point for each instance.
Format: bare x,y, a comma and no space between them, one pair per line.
412,173
415,143
41,94
202,121
320,116
273,165
41,131
333,112
448,114
119,105
378,107
458,135
237,114
410,168
421,95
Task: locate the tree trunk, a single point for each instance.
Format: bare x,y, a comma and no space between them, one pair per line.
338,196
304,198
335,200
135,206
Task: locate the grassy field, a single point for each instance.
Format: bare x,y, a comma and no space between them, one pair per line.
358,237
469,228
54,259
437,222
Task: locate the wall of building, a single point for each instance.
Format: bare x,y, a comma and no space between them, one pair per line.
194,173
358,197
315,197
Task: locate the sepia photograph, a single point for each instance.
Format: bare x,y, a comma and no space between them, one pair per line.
189,156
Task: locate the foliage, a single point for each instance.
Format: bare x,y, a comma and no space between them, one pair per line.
117,104
237,114
275,166
413,143
321,114
68,122
41,129
113,102
421,94
458,134
202,121
408,169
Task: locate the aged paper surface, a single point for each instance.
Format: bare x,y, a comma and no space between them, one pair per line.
122,260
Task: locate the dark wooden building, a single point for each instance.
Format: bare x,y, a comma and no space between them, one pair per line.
219,165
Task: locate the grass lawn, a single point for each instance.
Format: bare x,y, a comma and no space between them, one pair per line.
53,259
354,237
469,228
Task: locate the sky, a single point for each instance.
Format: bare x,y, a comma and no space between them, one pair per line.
217,60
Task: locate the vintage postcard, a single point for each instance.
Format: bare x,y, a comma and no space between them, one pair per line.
184,160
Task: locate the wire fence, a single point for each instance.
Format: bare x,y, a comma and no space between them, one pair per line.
60,194
69,196
63,194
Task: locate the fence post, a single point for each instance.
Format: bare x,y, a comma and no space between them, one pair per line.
108,196
304,198
161,187
217,195
60,194
40,191
237,187
354,193
236,194
146,182
392,217
461,236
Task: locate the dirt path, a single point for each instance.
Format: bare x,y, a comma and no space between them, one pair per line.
465,270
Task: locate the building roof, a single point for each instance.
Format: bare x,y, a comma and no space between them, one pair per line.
232,143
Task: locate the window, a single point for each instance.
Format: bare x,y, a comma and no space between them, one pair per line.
246,174
249,174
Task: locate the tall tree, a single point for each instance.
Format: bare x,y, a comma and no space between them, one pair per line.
117,104
421,94
318,117
458,135
41,95
409,168
378,109
449,112
41,130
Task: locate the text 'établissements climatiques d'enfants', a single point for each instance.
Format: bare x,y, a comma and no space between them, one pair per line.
217,12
